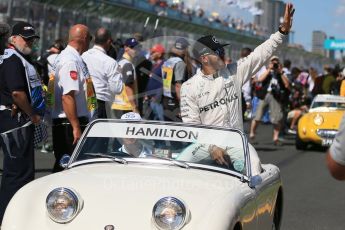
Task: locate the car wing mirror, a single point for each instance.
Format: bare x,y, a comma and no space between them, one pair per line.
64,161
255,181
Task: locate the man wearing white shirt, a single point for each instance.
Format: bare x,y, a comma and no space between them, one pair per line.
104,70
70,94
336,154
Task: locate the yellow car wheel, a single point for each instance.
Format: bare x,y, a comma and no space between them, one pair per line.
300,145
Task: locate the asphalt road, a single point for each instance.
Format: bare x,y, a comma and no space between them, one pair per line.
312,199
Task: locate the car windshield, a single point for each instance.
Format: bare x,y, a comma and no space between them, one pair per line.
336,105
180,144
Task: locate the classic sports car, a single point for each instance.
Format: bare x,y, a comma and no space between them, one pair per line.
150,175
320,125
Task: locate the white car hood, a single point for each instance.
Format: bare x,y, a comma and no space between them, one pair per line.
124,195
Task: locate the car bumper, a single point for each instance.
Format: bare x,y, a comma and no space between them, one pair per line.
323,137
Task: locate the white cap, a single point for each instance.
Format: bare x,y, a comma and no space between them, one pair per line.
131,116
274,57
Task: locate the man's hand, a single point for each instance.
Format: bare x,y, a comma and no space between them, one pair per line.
135,110
35,119
76,135
288,18
337,170
70,108
218,155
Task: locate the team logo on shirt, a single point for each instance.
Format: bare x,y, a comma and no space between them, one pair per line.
215,39
224,101
73,75
228,86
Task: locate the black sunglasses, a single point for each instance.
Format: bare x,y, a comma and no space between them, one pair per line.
220,52
29,39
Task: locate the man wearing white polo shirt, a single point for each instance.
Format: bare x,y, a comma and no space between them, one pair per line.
70,95
104,71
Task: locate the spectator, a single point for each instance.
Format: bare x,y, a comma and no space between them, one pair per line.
72,107
287,68
342,86
311,82
143,67
274,83
336,154
127,101
336,87
154,87
115,49
255,101
328,80
18,106
298,105
104,71
176,70
246,88
45,63
4,35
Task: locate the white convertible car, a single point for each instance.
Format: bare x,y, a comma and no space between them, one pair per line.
147,175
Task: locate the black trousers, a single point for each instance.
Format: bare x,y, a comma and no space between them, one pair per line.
101,111
172,110
63,138
19,161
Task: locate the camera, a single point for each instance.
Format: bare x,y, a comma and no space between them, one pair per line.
275,66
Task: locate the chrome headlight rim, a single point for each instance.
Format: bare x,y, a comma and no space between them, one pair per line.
318,119
76,198
180,203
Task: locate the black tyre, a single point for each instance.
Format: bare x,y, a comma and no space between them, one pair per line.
300,145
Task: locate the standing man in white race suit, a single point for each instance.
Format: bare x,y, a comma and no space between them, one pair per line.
104,71
71,95
213,95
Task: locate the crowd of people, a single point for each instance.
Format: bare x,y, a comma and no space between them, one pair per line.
72,84
288,92
236,23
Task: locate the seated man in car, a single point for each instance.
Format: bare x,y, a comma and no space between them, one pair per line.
133,146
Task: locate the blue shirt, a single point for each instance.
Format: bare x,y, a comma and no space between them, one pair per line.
154,87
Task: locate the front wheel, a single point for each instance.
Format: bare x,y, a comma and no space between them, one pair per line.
300,145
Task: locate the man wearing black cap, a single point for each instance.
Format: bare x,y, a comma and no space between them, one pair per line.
18,82
213,95
127,100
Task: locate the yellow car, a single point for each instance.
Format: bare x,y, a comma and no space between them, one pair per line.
320,125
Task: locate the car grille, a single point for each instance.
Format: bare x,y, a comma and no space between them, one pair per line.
326,133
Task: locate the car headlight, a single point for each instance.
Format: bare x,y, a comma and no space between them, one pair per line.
318,119
63,205
169,213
